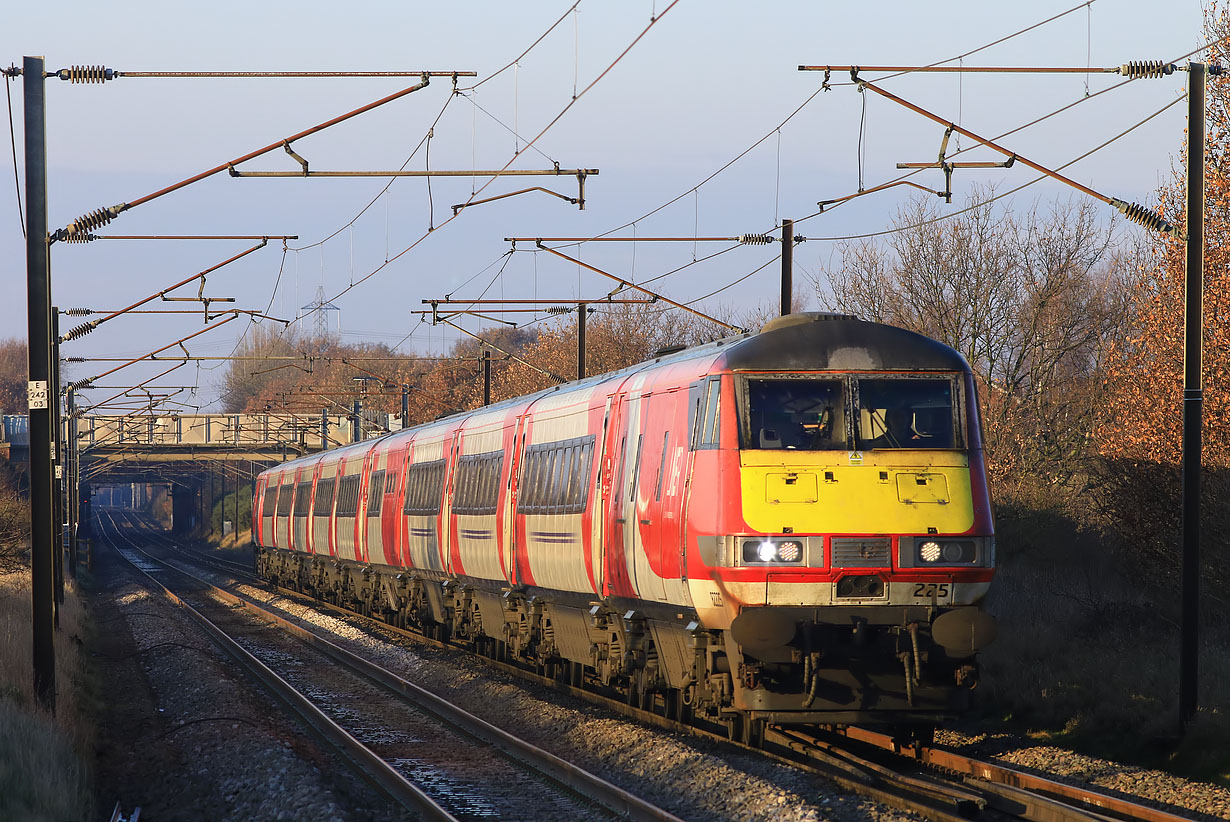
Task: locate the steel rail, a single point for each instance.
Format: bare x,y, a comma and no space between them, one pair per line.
1018,794
369,764
927,807
518,750
1019,785
216,563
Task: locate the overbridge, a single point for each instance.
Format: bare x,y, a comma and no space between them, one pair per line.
186,463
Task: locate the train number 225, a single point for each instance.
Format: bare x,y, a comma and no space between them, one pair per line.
927,590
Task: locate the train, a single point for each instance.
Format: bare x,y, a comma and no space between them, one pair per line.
790,526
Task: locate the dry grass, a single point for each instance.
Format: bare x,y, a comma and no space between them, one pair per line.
1088,652
43,759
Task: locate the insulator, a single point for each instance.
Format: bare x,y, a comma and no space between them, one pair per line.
79,312
1141,69
1144,216
82,226
86,74
72,236
80,331
74,359
756,239
559,309
79,384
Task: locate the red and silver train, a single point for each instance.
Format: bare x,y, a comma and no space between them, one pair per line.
789,526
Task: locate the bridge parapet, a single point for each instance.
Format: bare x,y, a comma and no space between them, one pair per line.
222,430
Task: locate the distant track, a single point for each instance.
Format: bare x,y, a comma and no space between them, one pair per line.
436,759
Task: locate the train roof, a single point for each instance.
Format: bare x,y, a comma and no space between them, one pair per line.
805,341
838,342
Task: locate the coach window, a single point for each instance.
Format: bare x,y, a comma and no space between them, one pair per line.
529,477
324,498
558,477
348,496
704,399
270,501
906,413
283,503
375,493
424,484
303,498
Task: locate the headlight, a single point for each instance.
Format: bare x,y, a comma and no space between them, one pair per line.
764,551
947,552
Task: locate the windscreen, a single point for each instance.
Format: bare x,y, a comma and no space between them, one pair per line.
905,413
796,414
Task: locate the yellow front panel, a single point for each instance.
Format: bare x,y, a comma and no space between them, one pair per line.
831,492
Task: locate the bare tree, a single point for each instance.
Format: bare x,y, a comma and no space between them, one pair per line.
13,376
1030,300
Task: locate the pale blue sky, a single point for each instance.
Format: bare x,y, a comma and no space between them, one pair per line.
705,83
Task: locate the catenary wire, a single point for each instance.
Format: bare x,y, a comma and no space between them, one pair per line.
567,107
804,105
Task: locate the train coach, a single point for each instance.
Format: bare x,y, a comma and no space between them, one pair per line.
789,526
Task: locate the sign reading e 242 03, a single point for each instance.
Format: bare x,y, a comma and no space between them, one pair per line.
36,394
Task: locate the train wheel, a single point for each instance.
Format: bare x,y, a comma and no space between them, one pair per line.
753,732
672,704
910,735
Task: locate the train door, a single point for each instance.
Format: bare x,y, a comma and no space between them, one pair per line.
361,505
448,547
512,526
390,513
602,488
373,533
620,451
650,524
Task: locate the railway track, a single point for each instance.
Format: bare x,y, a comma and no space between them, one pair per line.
432,757
936,782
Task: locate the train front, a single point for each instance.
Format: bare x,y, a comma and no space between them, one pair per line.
854,537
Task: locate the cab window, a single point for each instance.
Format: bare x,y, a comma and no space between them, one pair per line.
796,414
905,413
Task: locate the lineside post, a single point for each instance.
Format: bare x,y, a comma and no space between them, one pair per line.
1193,398
73,487
57,461
42,442
486,376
